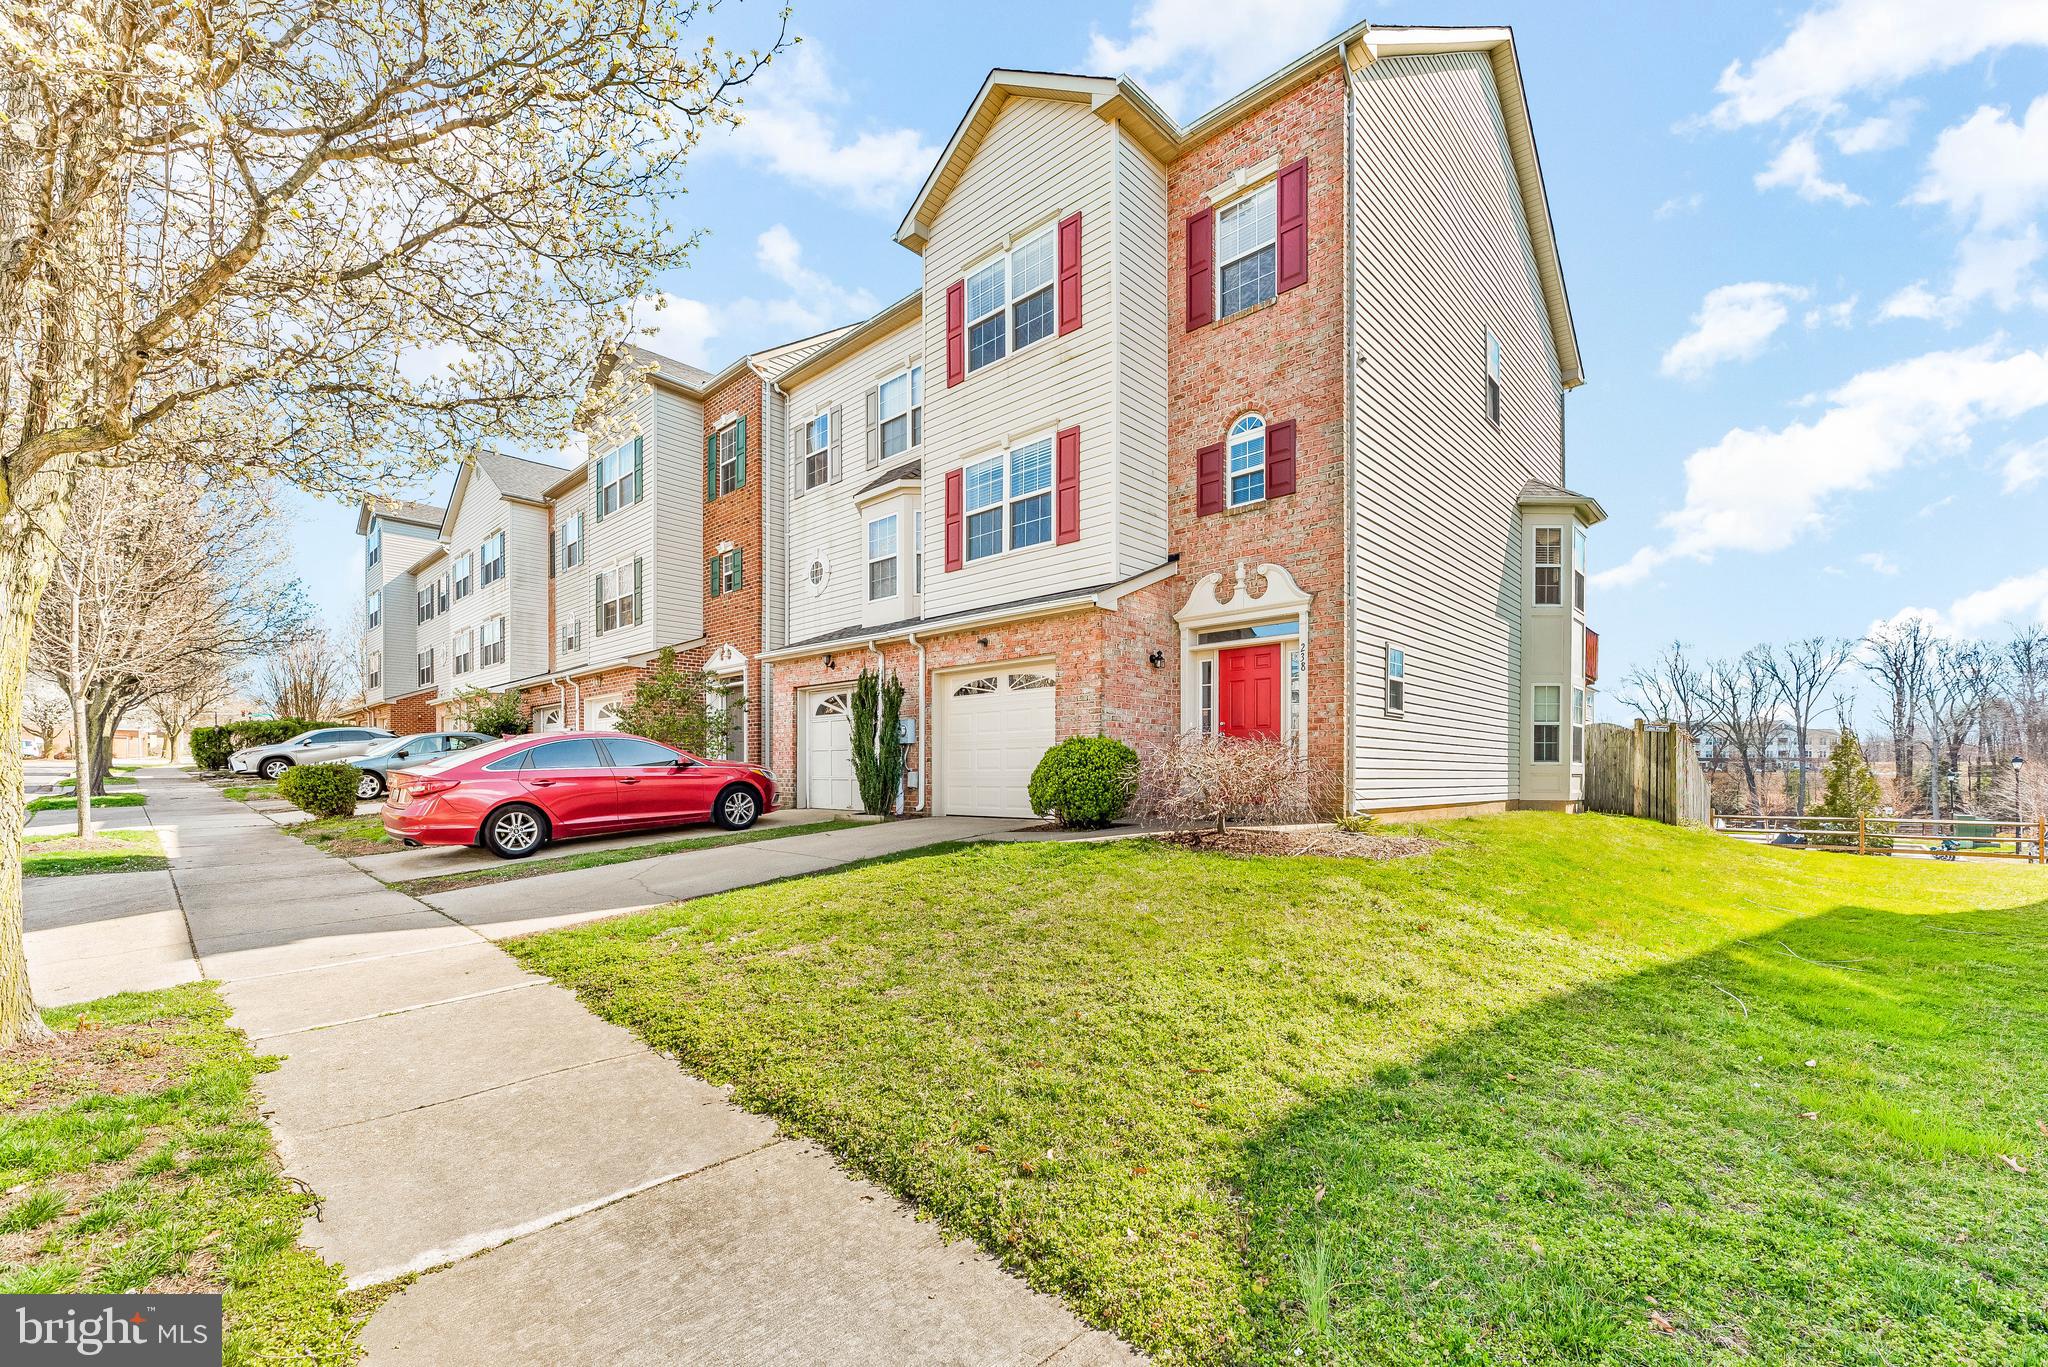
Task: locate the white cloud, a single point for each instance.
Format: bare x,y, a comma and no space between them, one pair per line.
675,326
1916,301
2025,467
1994,267
1678,204
1878,133
1877,562
1990,170
685,328
793,125
1733,324
1839,314
1761,490
1797,167
815,301
1190,54
1855,46
2021,599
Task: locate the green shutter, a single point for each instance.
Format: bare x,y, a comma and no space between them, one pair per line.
739,569
740,477
639,470
710,467
639,594
712,578
597,490
597,614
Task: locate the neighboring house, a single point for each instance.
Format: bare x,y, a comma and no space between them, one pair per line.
1250,426
1780,751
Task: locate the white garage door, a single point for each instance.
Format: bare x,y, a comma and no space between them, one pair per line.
827,760
993,730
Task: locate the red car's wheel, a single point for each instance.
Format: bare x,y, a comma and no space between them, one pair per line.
516,831
737,808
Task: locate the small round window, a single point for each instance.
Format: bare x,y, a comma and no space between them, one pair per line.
816,574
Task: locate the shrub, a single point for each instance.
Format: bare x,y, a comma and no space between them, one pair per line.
494,714
245,734
322,789
1211,780
1357,823
672,705
1085,782
874,714
1852,793
211,746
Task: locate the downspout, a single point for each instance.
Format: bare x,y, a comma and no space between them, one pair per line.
924,719
1351,455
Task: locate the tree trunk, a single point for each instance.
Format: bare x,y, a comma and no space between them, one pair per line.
103,719
82,747
1799,741
32,516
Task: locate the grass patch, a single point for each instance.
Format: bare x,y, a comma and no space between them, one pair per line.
347,836
1569,1089
134,1161
65,802
251,792
58,856
114,780
591,859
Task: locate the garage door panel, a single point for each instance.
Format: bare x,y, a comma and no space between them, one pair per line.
995,728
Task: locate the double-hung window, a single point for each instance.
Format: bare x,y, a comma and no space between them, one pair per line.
376,668
1010,301
726,572
817,466
492,554
882,558
900,404
1397,679
615,593
1247,251
615,488
426,664
465,647
572,634
729,468
465,570
374,550
373,609
572,541
1579,569
1579,727
1009,514
441,594
1549,584
1547,717
426,604
1247,460
490,643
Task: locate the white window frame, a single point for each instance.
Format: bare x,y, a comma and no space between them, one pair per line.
1232,440
464,648
1006,308
893,559
464,571
614,477
912,416
441,594
815,466
1006,504
1537,566
1537,726
373,608
376,670
374,544
490,652
1396,703
572,541
1578,569
491,563
424,604
729,570
728,462
621,609
1268,188
424,662
572,634
1580,698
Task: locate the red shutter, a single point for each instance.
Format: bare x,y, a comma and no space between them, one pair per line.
956,520
1209,480
1201,269
1070,273
956,333
1292,225
1066,499
1280,459
1593,657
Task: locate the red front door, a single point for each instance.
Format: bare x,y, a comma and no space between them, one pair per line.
1249,691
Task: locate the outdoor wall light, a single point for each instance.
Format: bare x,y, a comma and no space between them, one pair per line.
828,662
984,642
1156,658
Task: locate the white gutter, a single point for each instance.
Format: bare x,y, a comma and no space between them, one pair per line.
924,721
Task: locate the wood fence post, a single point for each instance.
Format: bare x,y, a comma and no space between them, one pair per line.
1638,770
1862,845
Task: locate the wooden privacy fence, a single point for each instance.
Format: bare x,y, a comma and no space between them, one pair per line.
1651,771
1947,838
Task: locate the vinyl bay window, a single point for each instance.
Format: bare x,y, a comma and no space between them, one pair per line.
1549,581
1010,299
882,577
1547,720
1009,514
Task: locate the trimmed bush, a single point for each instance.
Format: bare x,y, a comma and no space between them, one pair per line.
250,733
211,746
1085,782
322,789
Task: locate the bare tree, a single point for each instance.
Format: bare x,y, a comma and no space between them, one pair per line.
308,238
1739,705
1896,654
308,678
175,708
2026,669
1803,671
45,715
1667,689
1961,678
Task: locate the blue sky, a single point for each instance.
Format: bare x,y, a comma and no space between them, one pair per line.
1804,244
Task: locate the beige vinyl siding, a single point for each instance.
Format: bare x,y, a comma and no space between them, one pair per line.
392,637
1137,238
572,589
481,513
774,460
1041,160
526,579
824,521
625,532
1442,257
433,633
673,454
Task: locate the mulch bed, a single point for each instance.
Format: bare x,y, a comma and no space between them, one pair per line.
91,844
1319,843
88,1058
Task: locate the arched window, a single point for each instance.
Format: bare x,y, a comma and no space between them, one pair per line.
1247,460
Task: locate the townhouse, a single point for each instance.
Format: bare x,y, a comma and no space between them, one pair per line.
1252,426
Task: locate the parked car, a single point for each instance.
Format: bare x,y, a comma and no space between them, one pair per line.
513,796
326,745
380,760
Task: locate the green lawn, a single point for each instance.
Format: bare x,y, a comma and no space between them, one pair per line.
590,859
346,835
58,856
132,1159
114,780
1570,1089
68,802
250,792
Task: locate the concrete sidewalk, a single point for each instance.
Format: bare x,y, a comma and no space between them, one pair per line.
443,1102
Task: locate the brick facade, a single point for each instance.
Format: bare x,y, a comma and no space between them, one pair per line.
734,618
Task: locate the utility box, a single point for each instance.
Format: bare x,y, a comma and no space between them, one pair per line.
906,730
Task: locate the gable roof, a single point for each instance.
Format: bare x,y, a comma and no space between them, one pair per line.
1121,98
1537,494
513,477
891,317
425,516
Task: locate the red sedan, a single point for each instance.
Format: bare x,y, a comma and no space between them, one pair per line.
517,795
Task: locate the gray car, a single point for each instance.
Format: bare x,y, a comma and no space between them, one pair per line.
325,745
405,752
